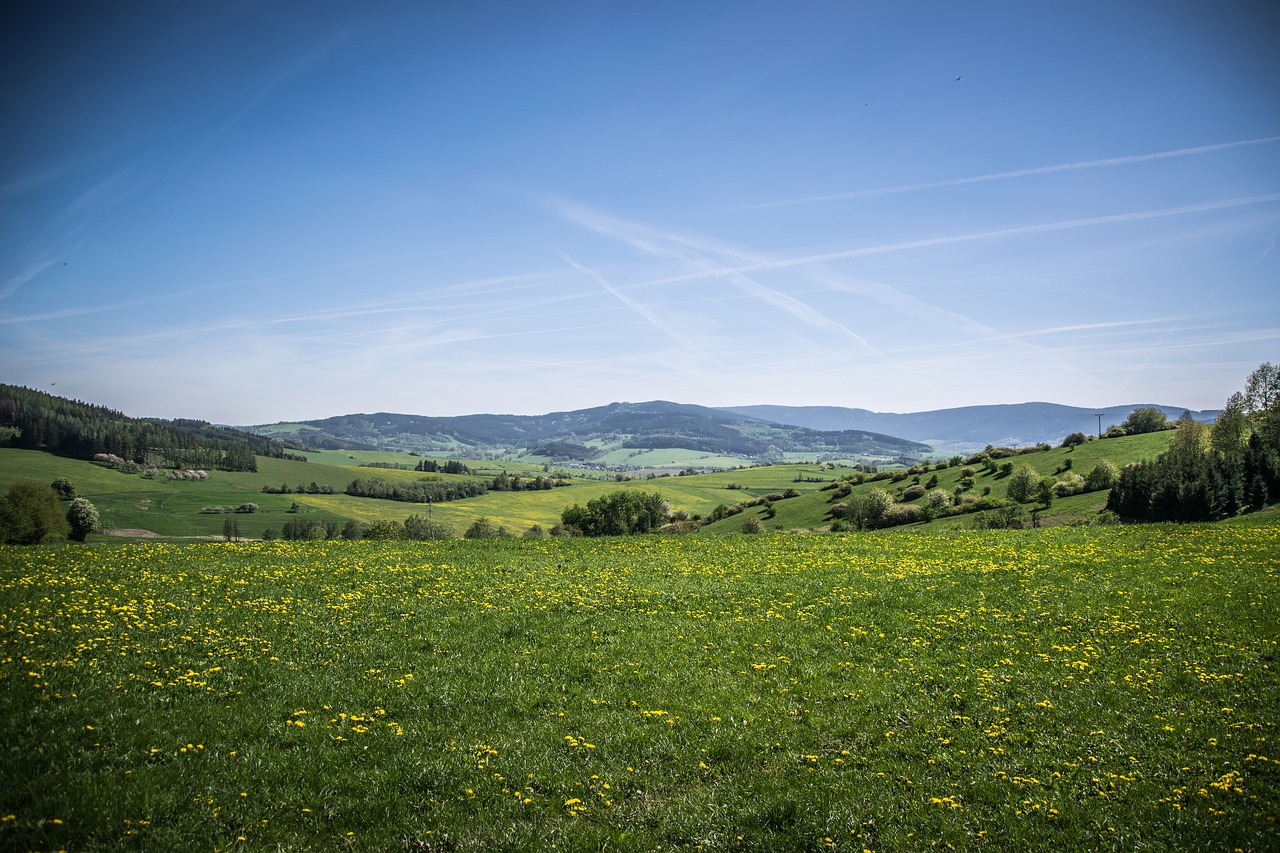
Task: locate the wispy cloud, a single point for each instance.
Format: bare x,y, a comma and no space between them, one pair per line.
1020,230
1271,244
285,75
1076,328
15,283
696,251
1016,173
18,186
644,312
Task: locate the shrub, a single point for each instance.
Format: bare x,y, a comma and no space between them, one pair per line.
875,505
247,507
1072,484
483,528
418,528
938,499
82,517
898,514
1103,476
913,492
753,525
384,530
64,488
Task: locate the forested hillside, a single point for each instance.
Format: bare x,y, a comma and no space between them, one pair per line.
583,434
34,420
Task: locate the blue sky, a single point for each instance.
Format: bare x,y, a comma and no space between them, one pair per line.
251,212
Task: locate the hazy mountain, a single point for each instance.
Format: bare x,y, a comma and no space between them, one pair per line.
966,427
584,432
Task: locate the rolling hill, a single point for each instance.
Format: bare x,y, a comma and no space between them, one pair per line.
586,435
966,428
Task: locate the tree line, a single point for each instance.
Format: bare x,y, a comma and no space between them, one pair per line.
420,491
34,420
1211,473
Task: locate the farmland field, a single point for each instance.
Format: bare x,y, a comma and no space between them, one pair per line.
1108,688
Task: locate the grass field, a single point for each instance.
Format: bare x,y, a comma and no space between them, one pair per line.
1076,689
173,508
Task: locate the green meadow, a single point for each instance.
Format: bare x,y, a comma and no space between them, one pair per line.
1082,688
172,508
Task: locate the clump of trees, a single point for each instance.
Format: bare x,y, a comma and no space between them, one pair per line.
418,528
313,488
1208,474
451,466
483,528
504,482
618,513
426,490
30,513
1144,420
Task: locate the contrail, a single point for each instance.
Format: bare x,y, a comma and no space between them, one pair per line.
629,302
1270,245
965,238
1017,173
651,241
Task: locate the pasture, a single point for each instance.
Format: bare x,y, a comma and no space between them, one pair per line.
173,508
1107,688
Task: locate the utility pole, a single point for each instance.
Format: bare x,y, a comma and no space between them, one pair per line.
1098,415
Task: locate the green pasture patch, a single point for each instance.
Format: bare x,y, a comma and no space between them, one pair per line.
88,478
669,457
1101,688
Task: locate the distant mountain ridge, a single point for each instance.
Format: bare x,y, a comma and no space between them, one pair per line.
966,427
636,426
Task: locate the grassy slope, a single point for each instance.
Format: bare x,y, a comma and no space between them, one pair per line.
172,508
811,511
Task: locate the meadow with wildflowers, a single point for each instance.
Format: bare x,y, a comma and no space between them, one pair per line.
1093,688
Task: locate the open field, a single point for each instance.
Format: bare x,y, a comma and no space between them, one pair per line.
1088,688
172,508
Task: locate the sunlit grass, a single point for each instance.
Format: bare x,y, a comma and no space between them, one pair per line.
1088,689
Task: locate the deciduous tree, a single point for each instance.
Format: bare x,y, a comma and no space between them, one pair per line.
1145,419
1023,484
30,514
82,517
